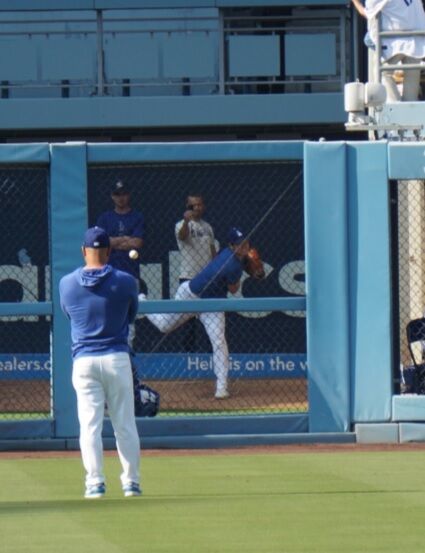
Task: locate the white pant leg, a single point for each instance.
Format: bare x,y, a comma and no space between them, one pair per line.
166,322
393,93
118,384
91,407
410,81
215,327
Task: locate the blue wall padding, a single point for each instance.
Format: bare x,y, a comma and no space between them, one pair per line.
25,153
370,282
326,243
406,161
195,151
68,223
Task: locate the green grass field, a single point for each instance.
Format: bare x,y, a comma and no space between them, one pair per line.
339,502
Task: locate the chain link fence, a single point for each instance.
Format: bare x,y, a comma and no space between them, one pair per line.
25,363
267,360
408,198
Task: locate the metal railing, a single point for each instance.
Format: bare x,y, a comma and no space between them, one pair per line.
379,67
217,26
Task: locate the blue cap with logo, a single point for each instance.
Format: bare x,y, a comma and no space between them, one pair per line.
235,236
96,237
119,188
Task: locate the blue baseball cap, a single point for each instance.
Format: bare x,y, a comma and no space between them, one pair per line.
235,236
119,188
96,237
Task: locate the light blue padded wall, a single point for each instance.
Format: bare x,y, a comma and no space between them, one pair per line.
68,223
370,282
326,246
349,333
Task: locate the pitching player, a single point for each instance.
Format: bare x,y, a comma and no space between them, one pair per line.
100,302
220,276
196,243
398,15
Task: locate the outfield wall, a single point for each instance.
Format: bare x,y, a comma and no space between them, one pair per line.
348,283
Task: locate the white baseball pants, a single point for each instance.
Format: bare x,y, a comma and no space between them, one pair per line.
214,324
411,81
96,380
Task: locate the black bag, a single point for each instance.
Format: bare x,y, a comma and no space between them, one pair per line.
146,401
412,377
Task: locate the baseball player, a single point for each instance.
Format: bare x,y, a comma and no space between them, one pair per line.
100,302
220,276
195,240
126,229
397,15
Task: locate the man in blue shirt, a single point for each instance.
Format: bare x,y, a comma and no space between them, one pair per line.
126,229
220,276
101,302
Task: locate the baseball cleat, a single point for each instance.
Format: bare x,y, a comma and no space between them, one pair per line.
95,492
132,489
222,394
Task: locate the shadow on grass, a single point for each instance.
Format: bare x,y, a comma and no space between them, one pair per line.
66,505
74,505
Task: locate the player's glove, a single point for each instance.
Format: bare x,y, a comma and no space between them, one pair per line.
253,265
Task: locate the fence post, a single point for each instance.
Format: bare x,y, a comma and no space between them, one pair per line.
326,250
370,282
68,187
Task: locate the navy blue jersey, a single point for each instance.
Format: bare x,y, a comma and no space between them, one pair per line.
212,281
100,304
128,224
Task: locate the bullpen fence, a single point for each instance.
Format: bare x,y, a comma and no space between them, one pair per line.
409,267
308,344
25,365
267,348
51,194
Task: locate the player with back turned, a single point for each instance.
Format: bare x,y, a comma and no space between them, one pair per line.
101,302
126,229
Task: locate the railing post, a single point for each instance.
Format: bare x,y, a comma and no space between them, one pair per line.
221,54
100,85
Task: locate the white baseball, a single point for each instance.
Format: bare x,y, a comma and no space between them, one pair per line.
133,254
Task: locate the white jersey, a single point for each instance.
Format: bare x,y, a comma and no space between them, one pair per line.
399,15
196,250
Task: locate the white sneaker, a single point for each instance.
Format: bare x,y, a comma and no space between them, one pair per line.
142,297
132,489
95,492
222,394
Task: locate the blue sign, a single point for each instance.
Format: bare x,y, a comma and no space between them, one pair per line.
171,366
25,366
